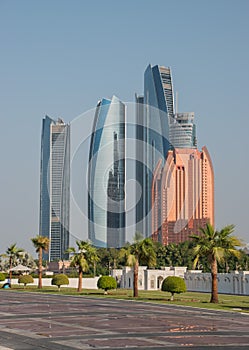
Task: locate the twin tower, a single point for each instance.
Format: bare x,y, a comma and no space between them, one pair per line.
174,194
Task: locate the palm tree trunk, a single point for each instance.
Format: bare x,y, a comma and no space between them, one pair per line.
80,281
40,268
10,272
214,294
135,280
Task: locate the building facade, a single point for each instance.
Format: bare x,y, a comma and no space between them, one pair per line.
182,195
182,131
106,175
175,195
152,135
55,187
140,167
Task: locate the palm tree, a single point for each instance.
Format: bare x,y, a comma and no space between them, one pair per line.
141,251
214,245
12,253
83,258
26,259
41,243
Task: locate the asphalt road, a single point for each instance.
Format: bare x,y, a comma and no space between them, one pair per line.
56,322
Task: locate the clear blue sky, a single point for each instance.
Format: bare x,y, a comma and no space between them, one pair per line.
60,57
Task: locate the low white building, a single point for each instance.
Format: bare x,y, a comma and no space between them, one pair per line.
148,279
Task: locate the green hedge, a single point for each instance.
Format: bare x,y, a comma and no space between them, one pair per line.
2,276
174,284
59,280
107,283
25,279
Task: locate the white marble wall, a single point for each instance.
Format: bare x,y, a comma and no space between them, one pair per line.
88,283
148,279
236,282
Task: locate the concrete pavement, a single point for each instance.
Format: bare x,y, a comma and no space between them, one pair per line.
41,321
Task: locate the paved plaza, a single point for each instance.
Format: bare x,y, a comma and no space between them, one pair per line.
56,322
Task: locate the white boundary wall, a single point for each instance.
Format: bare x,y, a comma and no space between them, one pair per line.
236,282
88,283
148,279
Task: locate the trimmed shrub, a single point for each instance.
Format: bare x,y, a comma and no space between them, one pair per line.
2,277
174,284
107,283
60,280
25,279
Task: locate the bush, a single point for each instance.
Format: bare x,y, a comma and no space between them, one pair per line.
25,279
174,284
2,277
60,280
107,283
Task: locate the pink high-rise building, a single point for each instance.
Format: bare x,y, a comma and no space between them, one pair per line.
182,195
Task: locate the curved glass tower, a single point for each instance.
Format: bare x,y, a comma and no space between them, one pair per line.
106,175
157,115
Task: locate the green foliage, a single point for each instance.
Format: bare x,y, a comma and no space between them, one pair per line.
25,279
183,254
40,242
13,251
73,273
174,254
109,258
174,284
2,277
107,283
215,244
83,259
59,280
44,262
142,251
36,275
217,247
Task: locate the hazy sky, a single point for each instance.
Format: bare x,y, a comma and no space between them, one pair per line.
60,57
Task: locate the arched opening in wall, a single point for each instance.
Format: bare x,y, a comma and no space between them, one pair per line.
159,282
236,285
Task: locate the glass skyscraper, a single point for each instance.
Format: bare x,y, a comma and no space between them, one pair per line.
106,175
153,133
140,167
55,187
182,131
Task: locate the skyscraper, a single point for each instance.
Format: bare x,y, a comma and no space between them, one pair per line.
152,136
55,187
176,180
182,195
106,175
182,131
140,167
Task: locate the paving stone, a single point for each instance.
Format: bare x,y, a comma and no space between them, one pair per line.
37,321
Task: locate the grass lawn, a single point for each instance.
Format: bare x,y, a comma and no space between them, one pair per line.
227,302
